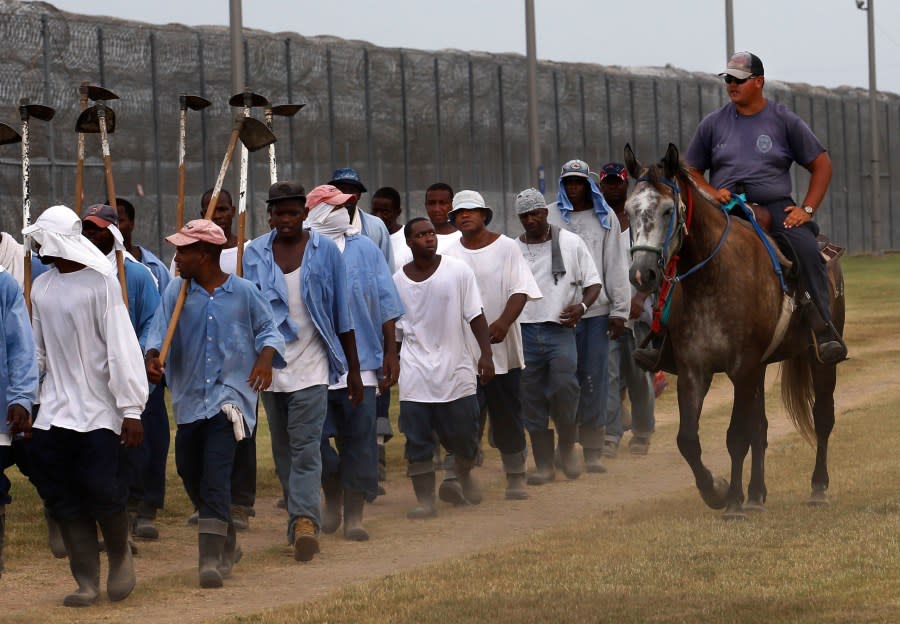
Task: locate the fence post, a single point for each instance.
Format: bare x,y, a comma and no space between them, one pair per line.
154,89
51,134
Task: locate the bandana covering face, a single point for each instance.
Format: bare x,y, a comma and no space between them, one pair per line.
58,232
12,257
335,224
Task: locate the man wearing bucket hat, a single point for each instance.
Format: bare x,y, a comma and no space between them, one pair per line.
350,467
301,274
567,276
580,208
93,391
347,180
505,283
222,354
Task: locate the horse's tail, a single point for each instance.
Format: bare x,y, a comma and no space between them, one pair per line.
798,396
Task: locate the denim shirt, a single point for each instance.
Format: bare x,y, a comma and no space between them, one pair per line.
215,346
323,288
373,298
375,229
18,362
143,298
160,271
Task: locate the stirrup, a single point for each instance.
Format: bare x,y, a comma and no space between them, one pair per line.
647,358
829,351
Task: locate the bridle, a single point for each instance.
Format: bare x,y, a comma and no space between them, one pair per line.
679,221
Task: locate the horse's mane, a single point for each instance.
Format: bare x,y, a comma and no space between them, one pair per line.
654,175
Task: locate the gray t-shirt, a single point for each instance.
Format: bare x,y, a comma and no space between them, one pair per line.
756,149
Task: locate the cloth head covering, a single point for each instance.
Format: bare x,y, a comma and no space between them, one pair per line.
579,169
12,257
528,200
323,218
58,232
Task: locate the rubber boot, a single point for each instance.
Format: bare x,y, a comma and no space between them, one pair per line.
120,580
331,511
423,485
54,536
211,547
2,535
592,442
451,491
231,554
80,538
354,502
382,463
514,466
143,522
470,487
542,449
568,456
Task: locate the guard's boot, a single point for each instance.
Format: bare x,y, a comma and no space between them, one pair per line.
2,535
542,448
331,510
828,343
231,553
120,580
423,486
80,539
54,536
211,537
514,466
470,488
569,461
354,502
647,357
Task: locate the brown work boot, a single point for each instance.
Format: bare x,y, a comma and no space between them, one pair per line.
240,517
306,539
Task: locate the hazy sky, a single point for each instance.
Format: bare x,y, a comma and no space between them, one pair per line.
820,42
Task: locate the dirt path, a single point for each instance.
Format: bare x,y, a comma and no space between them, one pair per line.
268,577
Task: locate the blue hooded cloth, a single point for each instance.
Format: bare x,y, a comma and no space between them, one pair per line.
601,208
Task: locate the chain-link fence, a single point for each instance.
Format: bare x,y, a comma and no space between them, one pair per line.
403,118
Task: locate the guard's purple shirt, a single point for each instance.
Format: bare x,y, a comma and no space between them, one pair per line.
756,149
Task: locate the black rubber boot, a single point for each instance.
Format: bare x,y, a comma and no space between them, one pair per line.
54,536
2,535
331,510
354,503
568,456
542,448
211,547
423,485
120,580
231,553
80,539
470,487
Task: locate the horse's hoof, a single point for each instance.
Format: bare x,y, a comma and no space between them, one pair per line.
735,514
818,498
715,498
754,506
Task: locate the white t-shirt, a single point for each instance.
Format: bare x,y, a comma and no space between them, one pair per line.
500,271
444,242
89,357
307,360
581,272
400,248
437,364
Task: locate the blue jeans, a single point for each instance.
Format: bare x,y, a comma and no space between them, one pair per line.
593,352
355,458
624,373
295,424
204,456
549,380
456,424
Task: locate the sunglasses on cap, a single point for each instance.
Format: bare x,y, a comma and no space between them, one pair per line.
738,81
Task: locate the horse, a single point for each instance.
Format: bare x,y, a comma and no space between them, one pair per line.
725,313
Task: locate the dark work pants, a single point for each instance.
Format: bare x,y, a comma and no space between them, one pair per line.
354,457
204,456
455,422
148,461
243,476
812,265
501,395
79,475
15,455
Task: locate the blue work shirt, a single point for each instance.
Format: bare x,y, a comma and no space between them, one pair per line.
374,228
215,346
143,298
373,298
160,271
18,362
323,289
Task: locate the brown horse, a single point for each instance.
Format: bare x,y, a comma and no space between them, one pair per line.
724,317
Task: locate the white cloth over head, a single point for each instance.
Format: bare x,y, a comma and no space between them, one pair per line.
58,232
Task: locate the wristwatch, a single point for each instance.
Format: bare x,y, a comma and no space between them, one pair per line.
809,210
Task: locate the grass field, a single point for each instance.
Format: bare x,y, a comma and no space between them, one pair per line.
666,558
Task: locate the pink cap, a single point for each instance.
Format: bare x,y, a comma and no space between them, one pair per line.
328,194
196,231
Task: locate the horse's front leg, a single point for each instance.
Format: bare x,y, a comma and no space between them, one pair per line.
747,415
824,380
692,388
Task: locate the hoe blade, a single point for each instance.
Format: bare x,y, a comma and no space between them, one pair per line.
287,110
8,135
89,121
255,135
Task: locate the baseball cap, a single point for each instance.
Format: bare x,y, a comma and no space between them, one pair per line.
575,169
469,200
742,65
198,230
286,190
528,200
347,175
101,215
614,169
328,194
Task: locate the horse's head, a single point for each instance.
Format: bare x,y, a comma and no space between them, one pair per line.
656,215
